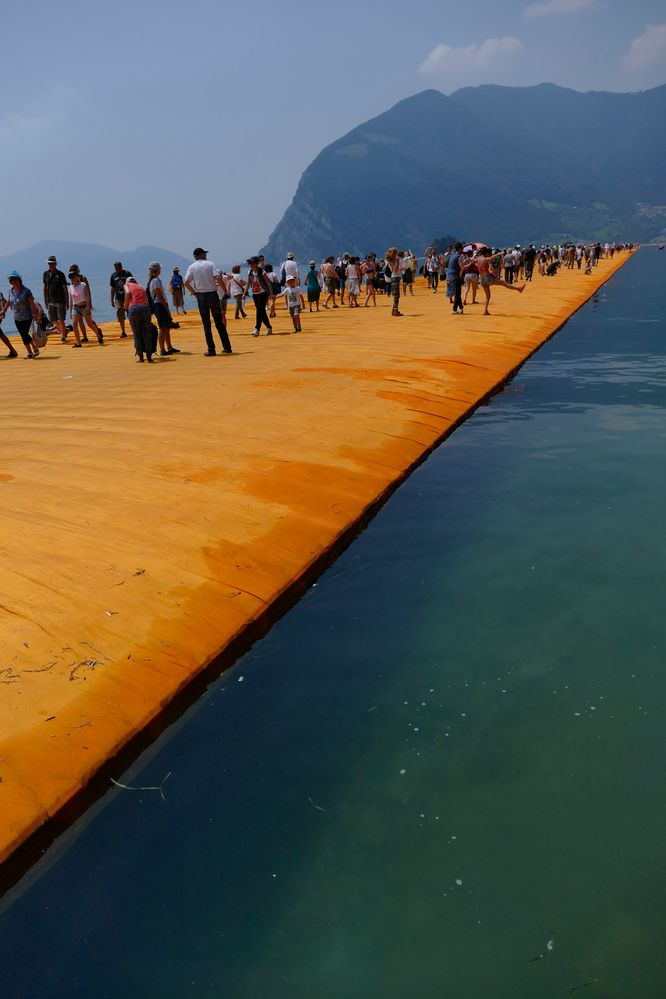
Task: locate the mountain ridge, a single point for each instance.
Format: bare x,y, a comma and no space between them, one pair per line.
93,258
501,164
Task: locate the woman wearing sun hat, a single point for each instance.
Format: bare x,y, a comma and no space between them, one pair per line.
22,304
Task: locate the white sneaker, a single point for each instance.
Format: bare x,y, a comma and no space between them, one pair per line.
255,332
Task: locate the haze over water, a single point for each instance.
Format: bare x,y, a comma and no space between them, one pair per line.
445,761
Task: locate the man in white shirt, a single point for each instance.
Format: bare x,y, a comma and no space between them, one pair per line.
290,269
202,280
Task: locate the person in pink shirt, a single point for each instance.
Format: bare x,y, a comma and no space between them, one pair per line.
139,315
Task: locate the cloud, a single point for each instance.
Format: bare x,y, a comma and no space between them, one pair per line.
462,58
648,48
548,8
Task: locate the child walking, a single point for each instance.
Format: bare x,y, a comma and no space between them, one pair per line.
294,301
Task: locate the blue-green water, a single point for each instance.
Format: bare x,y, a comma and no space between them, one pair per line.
447,759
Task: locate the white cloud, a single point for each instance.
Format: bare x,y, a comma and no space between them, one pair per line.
648,48
459,59
554,7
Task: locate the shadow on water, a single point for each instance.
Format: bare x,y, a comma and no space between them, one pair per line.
440,773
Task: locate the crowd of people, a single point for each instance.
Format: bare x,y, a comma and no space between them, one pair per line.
334,283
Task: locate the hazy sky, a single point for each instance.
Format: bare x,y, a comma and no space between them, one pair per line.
178,123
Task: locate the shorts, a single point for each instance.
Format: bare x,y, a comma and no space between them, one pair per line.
119,306
57,311
471,278
407,277
177,296
488,279
331,285
80,310
313,294
162,316
295,310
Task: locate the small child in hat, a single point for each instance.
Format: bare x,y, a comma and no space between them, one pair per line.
294,301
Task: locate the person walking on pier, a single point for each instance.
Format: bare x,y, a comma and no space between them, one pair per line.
237,287
87,316
176,290
202,280
454,280
259,286
23,306
393,271
312,286
56,295
117,283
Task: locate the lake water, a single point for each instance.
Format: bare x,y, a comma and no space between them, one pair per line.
441,774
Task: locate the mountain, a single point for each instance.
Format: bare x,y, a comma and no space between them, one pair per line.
92,259
498,164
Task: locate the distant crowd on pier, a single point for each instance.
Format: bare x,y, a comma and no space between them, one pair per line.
65,305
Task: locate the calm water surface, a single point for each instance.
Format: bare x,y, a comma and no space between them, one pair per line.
444,762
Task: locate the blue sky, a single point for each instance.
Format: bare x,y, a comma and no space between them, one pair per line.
177,124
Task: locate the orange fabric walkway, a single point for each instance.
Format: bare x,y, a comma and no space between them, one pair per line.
150,514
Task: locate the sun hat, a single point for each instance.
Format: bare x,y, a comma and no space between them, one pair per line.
51,260
74,269
290,256
291,277
198,251
313,263
176,268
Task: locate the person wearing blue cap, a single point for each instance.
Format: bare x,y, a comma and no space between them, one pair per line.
23,306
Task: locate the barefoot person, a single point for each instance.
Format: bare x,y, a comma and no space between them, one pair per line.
88,317
488,278
22,305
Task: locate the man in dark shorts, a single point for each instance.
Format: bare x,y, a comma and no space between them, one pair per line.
56,296
117,282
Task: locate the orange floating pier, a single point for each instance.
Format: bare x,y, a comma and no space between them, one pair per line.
154,518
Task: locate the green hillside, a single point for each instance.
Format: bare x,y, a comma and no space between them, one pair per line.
499,164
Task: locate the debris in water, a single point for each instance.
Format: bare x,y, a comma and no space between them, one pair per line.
585,985
318,807
549,946
459,882
160,787
403,771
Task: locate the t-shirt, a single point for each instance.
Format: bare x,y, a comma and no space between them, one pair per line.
293,297
290,268
201,275
20,303
453,266
56,287
117,282
155,285
137,294
257,282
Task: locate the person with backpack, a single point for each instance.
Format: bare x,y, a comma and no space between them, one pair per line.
176,291
261,290
56,295
117,283
276,289
158,305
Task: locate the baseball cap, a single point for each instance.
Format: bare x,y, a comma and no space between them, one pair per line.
13,274
253,260
198,251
